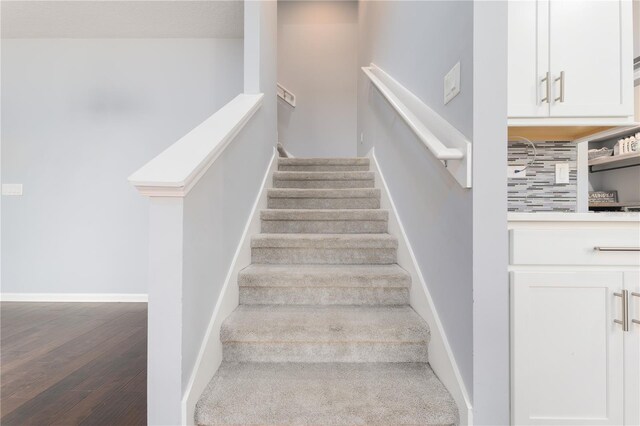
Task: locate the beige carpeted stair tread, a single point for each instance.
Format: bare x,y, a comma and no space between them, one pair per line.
365,276
326,394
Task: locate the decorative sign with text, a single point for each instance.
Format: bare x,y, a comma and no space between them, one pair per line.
603,197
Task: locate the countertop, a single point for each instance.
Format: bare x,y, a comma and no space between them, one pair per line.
633,217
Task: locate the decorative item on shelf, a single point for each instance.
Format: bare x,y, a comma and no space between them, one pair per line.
598,153
603,197
603,201
627,145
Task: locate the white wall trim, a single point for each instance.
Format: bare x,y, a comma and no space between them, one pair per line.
440,355
73,297
210,354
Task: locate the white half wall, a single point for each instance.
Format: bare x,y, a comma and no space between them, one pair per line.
317,61
78,117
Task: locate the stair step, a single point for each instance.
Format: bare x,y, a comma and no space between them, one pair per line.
283,333
324,221
323,179
292,198
350,249
324,285
323,164
325,394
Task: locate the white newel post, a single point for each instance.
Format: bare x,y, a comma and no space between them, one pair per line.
164,345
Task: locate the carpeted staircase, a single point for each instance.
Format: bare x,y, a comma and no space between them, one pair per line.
324,333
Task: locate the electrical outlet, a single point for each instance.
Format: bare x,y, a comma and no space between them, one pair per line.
562,173
516,172
12,189
452,83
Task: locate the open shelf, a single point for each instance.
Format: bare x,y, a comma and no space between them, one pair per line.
613,206
615,162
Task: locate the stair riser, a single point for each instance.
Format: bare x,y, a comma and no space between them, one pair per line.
315,184
323,203
324,226
323,296
322,168
313,255
325,352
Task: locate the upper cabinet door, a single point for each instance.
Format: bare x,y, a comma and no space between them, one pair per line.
528,50
590,58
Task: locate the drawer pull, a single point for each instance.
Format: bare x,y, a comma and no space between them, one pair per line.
597,248
624,322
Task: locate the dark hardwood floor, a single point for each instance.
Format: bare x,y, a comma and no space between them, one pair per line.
73,363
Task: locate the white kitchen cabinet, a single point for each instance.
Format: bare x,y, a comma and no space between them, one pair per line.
575,355
632,350
568,354
570,60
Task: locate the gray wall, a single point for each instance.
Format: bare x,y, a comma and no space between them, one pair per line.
537,190
317,61
78,117
417,43
217,209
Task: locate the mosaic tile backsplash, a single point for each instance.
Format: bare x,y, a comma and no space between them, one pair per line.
539,192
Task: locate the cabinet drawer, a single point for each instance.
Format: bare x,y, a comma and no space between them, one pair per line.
573,246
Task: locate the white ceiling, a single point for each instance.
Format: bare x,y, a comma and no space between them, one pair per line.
122,19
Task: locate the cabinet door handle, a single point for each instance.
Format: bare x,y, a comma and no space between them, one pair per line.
635,321
561,80
597,248
624,322
547,80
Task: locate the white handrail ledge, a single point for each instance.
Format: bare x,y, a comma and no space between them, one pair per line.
179,167
433,143
444,141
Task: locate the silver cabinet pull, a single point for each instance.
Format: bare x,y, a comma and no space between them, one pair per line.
598,248
546,79
635,321
561,80
624,322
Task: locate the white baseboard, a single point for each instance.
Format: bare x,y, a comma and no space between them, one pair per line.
440,355
73,297
210,354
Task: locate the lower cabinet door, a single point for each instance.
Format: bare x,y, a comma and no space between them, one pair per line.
567,352
632,351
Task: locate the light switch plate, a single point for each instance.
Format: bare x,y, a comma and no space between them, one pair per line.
516,172
11,189
562,173
452,83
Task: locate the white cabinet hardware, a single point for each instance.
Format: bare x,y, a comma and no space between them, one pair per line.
617,248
